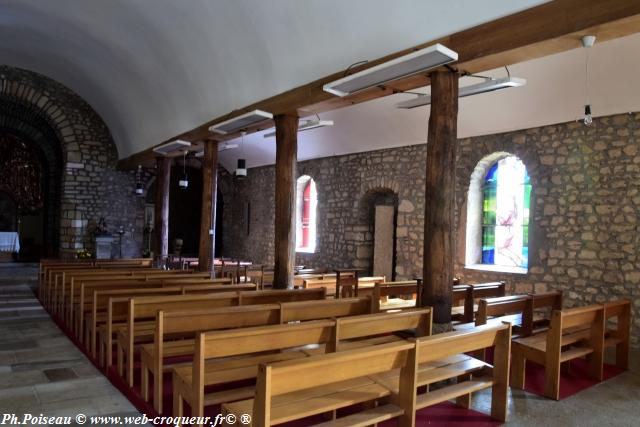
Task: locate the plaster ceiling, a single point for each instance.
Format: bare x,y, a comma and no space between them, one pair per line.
554,93
157,68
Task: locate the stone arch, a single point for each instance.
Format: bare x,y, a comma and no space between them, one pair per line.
75,142
474,201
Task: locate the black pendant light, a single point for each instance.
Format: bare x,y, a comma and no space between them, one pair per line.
139,185
184,182
241,168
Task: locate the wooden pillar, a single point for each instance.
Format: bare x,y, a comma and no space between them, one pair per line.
285,227
440,195
163,179
209,197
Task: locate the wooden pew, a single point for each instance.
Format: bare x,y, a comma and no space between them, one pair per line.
96,312
59,279
382,291
515,309
49,273
294,389
573,333
212,365
469,294
79,289
619,337
186,324
446,356
144,308
330,284
83,304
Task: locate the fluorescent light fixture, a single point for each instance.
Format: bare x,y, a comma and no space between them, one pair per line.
171,147
223,146
241,122
486,86
306,125
407,65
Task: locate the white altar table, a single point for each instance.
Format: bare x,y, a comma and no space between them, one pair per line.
9,241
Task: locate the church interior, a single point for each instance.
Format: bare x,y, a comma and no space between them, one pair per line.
320,212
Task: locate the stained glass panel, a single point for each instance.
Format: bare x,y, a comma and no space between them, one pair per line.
505,216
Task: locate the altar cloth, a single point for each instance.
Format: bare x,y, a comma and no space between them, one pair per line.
9,241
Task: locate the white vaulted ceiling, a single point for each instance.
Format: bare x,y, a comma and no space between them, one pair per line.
156,68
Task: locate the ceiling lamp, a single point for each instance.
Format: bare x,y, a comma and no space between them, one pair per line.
241,122
587,42
407,65
139,185
241,168
183,183
223,146
307,125
171,147
489,85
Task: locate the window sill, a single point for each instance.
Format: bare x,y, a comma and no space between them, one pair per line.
497,268
305,251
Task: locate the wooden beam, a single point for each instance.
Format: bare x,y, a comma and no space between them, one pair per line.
439,195
553,27
206,252
163,181
285,220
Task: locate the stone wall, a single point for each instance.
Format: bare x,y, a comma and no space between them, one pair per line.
82,152
584,235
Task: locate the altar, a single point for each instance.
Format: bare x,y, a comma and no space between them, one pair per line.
9,243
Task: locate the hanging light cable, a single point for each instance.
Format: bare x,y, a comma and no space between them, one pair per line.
587,43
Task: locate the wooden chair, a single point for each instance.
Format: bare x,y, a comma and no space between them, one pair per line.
573,333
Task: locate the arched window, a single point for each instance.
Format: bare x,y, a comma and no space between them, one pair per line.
498,217
306,205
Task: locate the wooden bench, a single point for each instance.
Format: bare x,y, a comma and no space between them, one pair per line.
84,304
186,324
96,312
468,294
383,291
446,356
573,333
294,389
515,309
618,337
389,374
144,308
80,289
347,291
57,275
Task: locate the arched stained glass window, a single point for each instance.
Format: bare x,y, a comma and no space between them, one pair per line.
505,214
306,206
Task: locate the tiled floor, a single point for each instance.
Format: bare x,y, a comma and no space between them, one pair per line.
41,372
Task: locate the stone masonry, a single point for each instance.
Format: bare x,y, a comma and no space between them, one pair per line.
90,186
584,235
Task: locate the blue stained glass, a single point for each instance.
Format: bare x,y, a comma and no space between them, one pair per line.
506,200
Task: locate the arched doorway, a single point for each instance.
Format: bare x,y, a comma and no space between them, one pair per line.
24,186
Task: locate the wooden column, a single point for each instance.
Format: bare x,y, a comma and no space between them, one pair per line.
209,197
163,179
439,196
285,227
